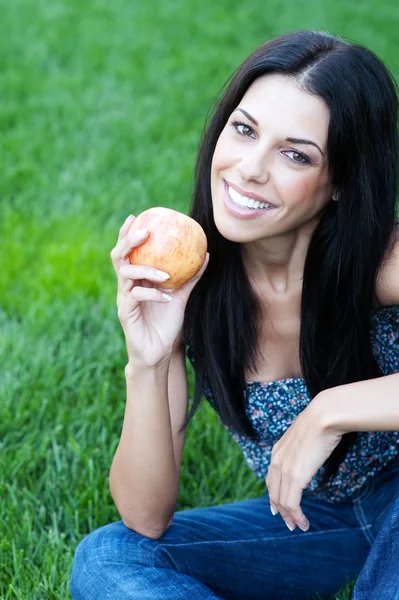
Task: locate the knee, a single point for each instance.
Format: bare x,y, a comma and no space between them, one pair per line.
95,557
86,566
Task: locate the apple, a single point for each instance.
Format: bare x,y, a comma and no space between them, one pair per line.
176,244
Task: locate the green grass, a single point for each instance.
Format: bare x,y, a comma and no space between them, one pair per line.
102,107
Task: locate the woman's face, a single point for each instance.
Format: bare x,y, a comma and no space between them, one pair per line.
274,145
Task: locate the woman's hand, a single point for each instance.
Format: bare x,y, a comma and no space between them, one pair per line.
296,458
150,322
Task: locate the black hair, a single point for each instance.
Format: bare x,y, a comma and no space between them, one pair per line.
347,248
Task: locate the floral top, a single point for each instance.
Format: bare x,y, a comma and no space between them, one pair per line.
273,406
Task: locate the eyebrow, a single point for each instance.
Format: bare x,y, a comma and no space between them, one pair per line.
293,140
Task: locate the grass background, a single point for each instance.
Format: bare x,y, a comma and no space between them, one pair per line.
101,109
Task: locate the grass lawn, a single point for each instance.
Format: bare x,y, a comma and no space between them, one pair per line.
102,107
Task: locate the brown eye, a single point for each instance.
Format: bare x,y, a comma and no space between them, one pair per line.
242,128
298,157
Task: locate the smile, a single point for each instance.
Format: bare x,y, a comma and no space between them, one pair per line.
245,202
239,205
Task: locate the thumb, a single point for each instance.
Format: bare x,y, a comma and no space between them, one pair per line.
202,269
191,283
198,276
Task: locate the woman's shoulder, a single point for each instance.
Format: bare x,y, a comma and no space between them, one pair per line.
387,283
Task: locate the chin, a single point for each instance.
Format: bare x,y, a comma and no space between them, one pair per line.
231,231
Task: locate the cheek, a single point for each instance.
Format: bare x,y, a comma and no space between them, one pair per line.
225,153
219,156
302,186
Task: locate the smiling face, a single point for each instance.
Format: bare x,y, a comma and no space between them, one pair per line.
260,155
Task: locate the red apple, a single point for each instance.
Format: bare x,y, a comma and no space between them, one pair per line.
176,244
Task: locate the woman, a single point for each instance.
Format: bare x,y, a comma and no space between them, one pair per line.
292,328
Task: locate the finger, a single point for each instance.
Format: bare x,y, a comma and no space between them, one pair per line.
273,480
293,503
125,227
142,294
283,506
129,273
124,247
273,508
126,303
204,266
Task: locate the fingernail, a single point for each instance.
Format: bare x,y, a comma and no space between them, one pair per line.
289,526
162,274
141,231
303,527
167,297
272,510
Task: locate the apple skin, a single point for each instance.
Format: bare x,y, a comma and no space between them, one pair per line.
176,244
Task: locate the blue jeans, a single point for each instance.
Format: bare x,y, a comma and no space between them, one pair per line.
239,551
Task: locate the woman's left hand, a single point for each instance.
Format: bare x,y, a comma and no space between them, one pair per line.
296,458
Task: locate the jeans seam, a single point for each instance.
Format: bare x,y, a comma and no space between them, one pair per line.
365,527
166,545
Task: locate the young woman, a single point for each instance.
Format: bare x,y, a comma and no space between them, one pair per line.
292,327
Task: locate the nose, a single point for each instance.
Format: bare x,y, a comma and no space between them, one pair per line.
254,166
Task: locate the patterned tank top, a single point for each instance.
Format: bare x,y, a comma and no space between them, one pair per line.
273,406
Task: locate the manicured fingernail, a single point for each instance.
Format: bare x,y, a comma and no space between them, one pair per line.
141,231
162,274
303,527
272,510
289,526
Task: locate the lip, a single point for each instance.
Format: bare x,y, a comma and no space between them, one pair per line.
237,211
248,194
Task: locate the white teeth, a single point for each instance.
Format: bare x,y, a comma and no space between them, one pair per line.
245,202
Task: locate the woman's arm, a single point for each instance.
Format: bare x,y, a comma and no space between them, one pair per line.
144,476
370,405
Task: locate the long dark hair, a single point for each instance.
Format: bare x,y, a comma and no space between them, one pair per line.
347,248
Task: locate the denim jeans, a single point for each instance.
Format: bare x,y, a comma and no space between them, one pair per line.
240,551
